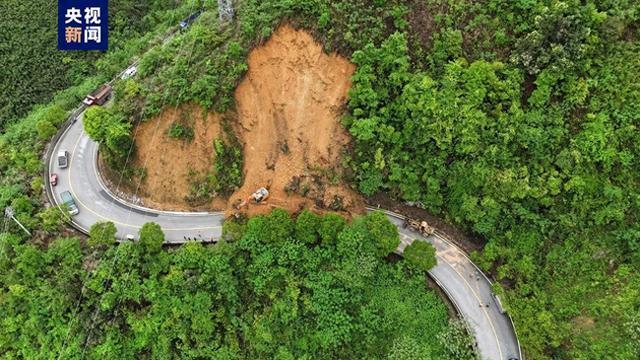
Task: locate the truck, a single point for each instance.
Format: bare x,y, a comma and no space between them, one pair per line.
67,200
99,96
63,159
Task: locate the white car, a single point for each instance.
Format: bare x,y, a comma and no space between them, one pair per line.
63,159
130,72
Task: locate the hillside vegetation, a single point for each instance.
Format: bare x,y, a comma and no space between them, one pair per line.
515,120
33,70
310,288
534,146
22,142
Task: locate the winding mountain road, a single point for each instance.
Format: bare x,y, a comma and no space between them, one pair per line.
470,292
96,203
466,286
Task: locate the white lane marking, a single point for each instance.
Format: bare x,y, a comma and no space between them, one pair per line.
75,147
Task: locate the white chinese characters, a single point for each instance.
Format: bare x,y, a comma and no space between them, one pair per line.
92,15
92,33
73,15
78,32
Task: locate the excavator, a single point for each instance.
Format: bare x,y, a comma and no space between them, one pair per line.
258,197
420,226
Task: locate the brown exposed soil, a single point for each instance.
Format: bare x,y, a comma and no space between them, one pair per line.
288,109
582,323
289,105
168,161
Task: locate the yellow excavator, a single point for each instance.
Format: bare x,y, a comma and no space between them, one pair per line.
420,226
258,197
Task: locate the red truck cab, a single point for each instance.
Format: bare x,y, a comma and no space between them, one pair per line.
98,97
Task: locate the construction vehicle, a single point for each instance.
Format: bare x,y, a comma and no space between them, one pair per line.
257,197
98,97
420,226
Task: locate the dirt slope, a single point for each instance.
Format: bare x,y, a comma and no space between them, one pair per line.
289,105
288,109
168,161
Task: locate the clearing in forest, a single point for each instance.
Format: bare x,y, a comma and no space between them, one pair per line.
172,161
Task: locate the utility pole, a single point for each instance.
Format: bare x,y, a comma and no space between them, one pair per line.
9,214
225,10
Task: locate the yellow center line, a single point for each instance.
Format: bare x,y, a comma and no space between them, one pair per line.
495,334
216,227
73,152
484,310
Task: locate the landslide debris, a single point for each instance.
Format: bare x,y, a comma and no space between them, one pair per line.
289,106
288,122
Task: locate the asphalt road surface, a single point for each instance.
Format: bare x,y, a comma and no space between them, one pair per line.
468,289
96,203
470,292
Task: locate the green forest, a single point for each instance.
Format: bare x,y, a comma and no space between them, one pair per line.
516,121
33,70
275,288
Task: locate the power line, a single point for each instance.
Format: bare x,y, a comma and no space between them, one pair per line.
144,165
93,318
121,177
10,214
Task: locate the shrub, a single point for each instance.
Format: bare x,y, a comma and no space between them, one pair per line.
228,163
421,254
179,131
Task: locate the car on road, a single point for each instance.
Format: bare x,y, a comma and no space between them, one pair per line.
130,72
53,179
63,159
67,199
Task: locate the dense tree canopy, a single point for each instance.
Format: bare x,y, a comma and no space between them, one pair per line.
102,234
279,291
421,254
33,70
111,131
516,120
537,152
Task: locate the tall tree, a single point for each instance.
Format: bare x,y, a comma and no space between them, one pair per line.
421,254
